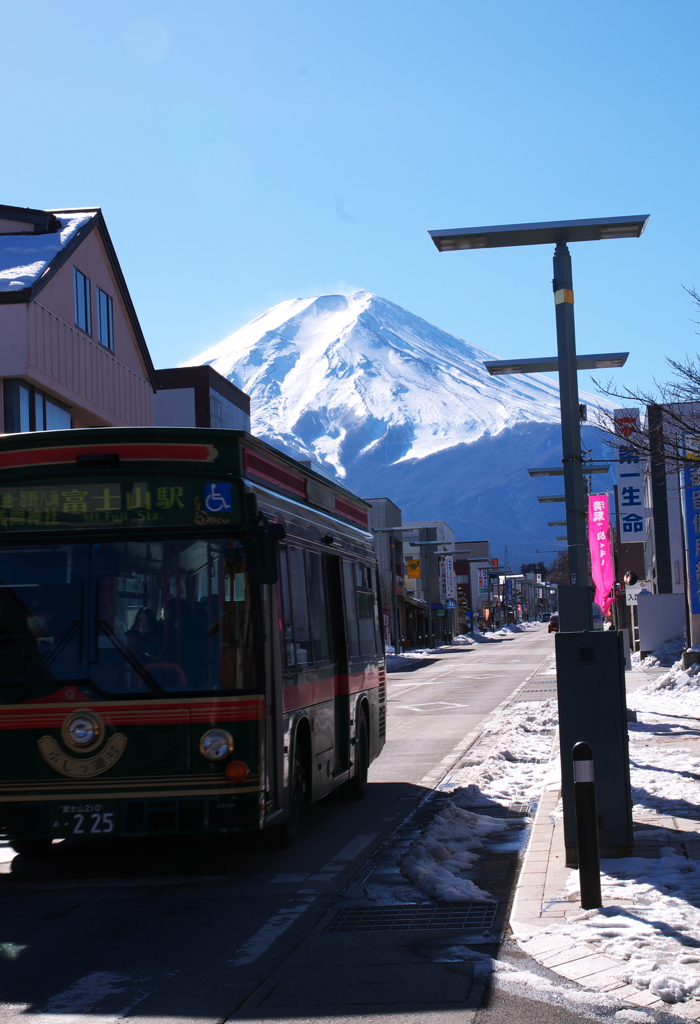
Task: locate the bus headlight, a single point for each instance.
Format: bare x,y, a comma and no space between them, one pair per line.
216,744
81,730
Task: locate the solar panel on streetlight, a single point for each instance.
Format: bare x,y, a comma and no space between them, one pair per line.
592,230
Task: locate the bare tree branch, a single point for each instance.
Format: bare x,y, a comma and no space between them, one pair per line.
674,438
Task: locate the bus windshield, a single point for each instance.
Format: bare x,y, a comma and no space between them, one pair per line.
132,617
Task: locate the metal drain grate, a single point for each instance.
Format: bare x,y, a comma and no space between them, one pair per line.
536,693
499,810
405,918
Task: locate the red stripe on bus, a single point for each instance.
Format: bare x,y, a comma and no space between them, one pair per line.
304,695
214,711
367,679
128,452
358,515
269,470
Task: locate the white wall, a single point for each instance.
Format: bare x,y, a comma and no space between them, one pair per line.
661,617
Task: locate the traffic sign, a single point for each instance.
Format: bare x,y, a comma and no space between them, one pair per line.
450,603
633,592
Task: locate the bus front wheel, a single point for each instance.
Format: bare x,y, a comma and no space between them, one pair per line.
356,788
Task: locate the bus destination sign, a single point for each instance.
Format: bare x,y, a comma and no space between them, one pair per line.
79,505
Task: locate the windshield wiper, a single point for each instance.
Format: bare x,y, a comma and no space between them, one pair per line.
63,638
144,674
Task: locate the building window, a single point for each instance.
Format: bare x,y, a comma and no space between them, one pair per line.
28,408
83,309
105,322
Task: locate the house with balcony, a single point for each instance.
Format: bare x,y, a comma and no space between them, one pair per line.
72,353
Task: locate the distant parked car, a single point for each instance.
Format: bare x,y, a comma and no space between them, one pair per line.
553,626
545,617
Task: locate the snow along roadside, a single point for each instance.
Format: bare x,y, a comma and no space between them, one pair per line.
643,946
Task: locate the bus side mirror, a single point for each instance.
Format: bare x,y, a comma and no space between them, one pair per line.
263,549
263,557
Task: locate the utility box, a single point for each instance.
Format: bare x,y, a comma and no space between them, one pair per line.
593,708
575,607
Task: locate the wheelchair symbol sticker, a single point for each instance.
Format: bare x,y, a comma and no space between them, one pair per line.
217,497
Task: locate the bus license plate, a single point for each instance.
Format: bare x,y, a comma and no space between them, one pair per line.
84,819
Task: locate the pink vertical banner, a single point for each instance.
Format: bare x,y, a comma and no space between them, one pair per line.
602,568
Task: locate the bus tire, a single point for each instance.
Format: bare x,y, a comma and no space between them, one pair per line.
281,837
31,847
356,787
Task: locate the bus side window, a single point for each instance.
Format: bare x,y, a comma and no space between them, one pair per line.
287,627
300,607
368,636
379,625
351,609
319,617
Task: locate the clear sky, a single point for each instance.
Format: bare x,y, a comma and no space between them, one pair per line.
248,152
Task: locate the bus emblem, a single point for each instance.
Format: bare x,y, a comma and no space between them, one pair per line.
83,767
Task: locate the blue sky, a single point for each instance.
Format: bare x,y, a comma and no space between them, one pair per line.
244,153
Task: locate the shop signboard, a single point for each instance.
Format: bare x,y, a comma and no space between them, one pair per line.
413,568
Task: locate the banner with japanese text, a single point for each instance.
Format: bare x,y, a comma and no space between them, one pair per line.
483,582
630,477
602,567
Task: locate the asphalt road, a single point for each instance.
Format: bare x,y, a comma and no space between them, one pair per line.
203,930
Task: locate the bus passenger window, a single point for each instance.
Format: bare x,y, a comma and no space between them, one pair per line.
365,608
286,624
351,609
237,655
319,618
300,608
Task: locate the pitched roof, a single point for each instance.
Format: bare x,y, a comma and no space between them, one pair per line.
28,260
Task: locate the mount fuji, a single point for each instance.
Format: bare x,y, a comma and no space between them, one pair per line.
395,407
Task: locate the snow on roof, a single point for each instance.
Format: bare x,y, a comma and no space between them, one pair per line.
24,258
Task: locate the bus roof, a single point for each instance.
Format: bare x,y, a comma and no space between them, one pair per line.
195,451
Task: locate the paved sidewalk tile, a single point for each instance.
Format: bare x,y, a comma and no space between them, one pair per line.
542,944
565,956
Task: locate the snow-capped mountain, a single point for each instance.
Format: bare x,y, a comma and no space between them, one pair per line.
384,400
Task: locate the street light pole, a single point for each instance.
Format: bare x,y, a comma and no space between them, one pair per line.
394,595
572,458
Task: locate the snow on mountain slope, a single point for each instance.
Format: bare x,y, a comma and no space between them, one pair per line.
338,377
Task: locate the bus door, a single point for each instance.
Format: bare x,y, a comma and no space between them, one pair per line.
274,717
339,653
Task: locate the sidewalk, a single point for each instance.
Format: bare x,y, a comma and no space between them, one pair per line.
643,947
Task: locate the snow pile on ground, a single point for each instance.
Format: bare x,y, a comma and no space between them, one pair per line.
463,640
436,863
523,731
395,662
439,863
664,656
663,778
478,637
677,692
659,934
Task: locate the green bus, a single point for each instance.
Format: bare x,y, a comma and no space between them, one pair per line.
189,636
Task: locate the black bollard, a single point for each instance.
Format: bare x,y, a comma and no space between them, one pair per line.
586,827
